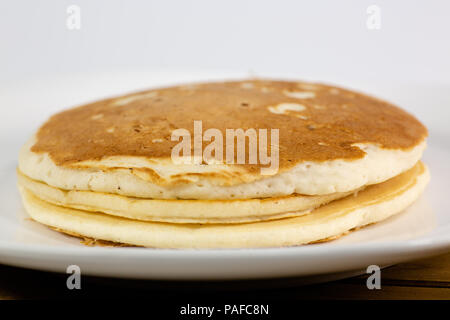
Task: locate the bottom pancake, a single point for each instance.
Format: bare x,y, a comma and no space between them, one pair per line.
373,204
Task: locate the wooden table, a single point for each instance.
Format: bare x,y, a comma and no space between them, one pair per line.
423,279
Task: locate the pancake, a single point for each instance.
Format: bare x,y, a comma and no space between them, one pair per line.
105,171
331,140
373,204
179,211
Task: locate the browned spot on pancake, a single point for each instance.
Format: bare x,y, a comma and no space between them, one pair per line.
332,238
321,133
342,234
91,241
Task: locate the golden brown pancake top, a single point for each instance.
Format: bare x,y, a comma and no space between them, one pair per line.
141,124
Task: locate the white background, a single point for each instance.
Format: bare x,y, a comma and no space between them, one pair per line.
325,40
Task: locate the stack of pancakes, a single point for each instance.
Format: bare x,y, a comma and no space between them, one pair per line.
104,171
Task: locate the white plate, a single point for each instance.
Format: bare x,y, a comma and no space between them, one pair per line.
421,230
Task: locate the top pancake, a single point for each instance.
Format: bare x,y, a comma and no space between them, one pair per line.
336,117
134,131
